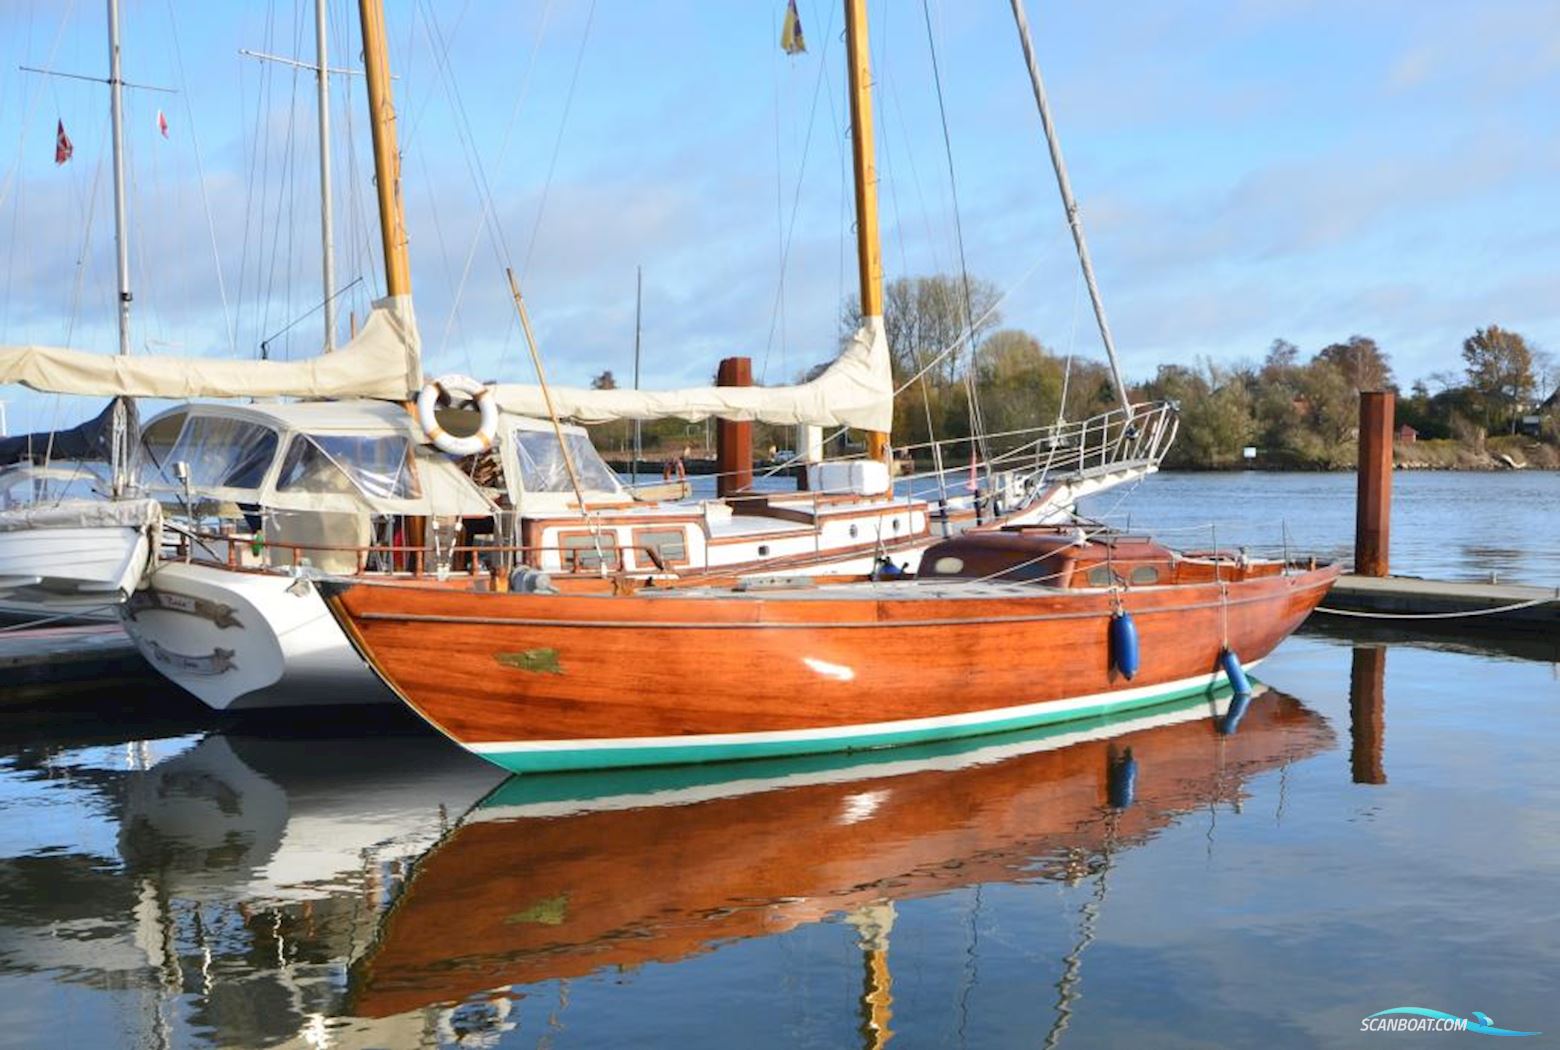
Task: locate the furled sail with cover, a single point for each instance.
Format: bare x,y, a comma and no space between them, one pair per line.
856,390
92,440
382,361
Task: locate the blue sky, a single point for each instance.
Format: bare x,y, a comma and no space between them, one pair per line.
1247,170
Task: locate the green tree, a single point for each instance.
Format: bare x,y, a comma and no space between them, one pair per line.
1500,368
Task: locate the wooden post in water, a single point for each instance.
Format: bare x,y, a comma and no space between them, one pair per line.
1368,713
1373,510
733,440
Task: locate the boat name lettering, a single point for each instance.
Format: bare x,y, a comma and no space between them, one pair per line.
219,662
224,616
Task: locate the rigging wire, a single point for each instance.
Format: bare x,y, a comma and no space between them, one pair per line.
563,123
200,175
977,424
503,153
785,253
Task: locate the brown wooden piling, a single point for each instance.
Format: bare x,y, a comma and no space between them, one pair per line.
1368,714
1373,509
734,441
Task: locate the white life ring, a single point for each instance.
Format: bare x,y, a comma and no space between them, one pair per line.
448,389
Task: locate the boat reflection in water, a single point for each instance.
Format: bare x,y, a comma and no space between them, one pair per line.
565,875
238,874
262,889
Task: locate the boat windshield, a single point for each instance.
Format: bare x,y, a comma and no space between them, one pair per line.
222,452
542,468
24,484
377,465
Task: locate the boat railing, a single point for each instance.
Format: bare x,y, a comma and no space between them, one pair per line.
250,553
1118,441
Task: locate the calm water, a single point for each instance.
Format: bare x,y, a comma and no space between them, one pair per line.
1382,829
1445,525
1448,525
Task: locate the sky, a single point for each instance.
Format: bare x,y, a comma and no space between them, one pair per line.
1247,170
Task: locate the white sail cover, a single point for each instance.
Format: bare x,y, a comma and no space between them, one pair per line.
382,361
856,390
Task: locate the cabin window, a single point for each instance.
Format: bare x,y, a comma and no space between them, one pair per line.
377,465
223,452
1100,576
542,467
948,566
583,551
1144,575
670,545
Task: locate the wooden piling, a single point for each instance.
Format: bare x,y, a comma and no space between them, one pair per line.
1373,509
734,441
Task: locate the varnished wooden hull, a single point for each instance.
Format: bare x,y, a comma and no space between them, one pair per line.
550,682
562,876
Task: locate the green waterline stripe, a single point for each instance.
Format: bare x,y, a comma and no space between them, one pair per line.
523,760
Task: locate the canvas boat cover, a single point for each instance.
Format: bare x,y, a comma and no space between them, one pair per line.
91,440
82,514
856,390
381,361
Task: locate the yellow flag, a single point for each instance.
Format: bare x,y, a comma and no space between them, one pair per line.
791,32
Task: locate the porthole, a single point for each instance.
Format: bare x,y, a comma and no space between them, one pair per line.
1099,576
1144,575
948,566
853,531
763,550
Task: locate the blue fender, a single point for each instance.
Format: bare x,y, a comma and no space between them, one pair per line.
1124,644
1233,671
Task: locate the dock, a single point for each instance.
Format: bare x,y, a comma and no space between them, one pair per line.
50,655
1465,605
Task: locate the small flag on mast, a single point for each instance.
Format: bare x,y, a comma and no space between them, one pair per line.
162,123
791,32
62,145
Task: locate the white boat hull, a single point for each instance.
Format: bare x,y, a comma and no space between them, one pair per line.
75,558
245,641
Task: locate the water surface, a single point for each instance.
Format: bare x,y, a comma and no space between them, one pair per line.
1382,828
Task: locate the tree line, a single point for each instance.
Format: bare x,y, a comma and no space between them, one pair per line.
1298,411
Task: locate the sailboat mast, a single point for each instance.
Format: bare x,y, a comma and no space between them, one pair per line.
121,218
387,156
869,255
327,246
1073,221
639,302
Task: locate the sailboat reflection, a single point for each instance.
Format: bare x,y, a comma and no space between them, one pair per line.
565,875
243,862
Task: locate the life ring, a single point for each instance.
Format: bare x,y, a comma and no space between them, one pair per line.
448,389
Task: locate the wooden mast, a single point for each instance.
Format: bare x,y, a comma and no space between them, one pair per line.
387,156
869,255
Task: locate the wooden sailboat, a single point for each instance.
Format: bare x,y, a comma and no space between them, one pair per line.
1000,629
620,869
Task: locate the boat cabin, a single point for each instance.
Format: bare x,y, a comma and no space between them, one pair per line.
346,487
1067,557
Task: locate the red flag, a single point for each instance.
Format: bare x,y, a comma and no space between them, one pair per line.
162,123
62,145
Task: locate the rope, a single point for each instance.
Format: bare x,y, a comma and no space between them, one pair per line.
1442,615
75,614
